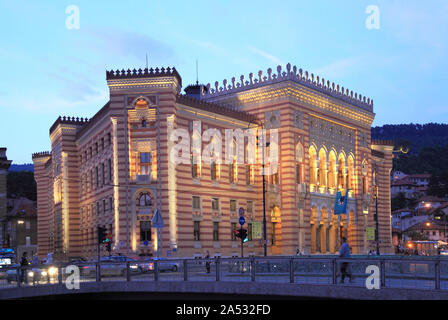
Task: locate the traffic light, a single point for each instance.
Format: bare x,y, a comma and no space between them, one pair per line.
244,235
241,233
101,234
109,237
108,246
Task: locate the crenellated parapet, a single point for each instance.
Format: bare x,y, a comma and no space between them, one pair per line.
69,120
290,74
143,73
43,154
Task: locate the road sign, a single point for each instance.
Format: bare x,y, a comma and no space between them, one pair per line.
370,233
242,220
145,242
256,230
241,211
157,221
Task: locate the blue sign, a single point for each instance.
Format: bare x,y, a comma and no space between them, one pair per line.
145,242
241,211
242,220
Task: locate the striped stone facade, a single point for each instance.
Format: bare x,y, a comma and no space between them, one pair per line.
114,170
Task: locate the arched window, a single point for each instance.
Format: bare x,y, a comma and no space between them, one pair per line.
351,172
143,123
313,166
144,200
322,167
299,163
332,171
341,171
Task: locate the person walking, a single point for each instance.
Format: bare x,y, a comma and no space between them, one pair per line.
345,253
207,262
23,265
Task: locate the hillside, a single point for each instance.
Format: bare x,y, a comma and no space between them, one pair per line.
413,136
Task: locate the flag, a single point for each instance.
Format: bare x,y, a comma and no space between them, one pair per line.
340,203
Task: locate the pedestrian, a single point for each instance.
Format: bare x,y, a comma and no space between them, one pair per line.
23,265
207,262
345,253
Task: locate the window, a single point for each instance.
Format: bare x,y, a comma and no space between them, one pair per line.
145,200
249,231
194,167
110,170
232,205
215,204
91,179
215,231
102,144
232,172
96,147
250,206
104,206
232,231
143,123
97,209
196,231
103,175
109,140
273,239
145,163
97,182
213,170
110,204
249,175
27,225
145,231
196,203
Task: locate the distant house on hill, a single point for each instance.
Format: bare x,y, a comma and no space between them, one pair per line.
19,226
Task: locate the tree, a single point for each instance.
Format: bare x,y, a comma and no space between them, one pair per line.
21,184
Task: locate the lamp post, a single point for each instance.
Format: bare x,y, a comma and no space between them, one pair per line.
376,211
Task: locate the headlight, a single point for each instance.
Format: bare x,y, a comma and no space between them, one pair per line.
133,267
52,271
31,274
44,273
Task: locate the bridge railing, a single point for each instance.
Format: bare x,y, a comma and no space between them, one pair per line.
389,272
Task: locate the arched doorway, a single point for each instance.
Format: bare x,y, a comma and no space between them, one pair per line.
276,229
313,225
324,231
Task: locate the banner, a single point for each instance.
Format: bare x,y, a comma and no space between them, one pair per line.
340,203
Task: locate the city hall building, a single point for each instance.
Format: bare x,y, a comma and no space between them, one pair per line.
117,168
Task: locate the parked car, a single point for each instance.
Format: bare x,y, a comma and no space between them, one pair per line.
111,266
163,264
33,274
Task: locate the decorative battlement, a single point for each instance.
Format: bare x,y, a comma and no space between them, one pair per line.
382,142
215,108
69,120
41,154
293,74
145,73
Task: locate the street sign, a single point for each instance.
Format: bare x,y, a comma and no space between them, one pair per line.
242,220
256,230
157,221
370,233
241,211
145,242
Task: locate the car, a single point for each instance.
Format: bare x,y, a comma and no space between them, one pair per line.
34,275
444,252
163,265
111,266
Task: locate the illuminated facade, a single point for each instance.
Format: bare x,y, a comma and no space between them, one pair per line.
114,170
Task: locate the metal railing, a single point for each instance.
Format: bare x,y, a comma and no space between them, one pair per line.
393,272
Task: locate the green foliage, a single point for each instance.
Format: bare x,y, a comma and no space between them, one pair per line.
21,184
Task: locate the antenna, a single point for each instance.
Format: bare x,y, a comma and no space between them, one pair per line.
197,73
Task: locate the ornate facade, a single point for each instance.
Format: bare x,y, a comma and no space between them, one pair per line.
114,170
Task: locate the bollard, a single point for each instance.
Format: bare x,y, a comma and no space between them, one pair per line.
291,271
19,277
217,263
185,270
437,275
335,271
156,270
128,272
252,269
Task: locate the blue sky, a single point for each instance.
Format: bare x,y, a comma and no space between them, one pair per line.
49,70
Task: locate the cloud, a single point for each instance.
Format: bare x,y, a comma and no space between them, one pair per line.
125,44
267,56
